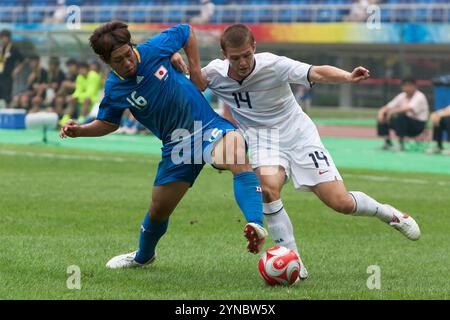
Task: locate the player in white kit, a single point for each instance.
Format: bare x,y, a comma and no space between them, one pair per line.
283,141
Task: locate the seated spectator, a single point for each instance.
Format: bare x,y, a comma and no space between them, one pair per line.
20,88
37,84
67,87
54,81
87,89
441,124
91,95
77,98
406,114
129,125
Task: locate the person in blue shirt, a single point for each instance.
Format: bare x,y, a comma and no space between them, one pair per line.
161,98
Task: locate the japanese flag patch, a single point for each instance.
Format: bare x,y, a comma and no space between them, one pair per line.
161,73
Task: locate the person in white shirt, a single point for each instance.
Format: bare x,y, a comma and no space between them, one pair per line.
406,114
206,13
283,141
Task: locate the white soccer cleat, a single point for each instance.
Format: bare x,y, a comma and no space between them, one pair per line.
405,224
303,274
127,261
256,235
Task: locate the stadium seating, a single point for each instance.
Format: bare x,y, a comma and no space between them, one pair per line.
255,11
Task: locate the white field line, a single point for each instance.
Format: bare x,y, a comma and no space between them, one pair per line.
401,180
49,155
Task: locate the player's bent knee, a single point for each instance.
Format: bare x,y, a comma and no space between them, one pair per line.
343,204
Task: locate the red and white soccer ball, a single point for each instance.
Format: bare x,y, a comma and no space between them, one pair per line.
279,266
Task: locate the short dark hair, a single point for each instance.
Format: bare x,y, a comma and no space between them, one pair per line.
54,61
5,33
236,36
108,37
96,63
35,56
71,61
409,80
83,65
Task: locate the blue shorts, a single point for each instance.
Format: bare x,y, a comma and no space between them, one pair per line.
184,161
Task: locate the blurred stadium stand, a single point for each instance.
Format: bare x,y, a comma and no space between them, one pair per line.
226,11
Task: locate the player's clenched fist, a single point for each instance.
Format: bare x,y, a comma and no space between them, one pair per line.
70,129
359,74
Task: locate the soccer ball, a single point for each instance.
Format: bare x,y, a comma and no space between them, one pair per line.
279,266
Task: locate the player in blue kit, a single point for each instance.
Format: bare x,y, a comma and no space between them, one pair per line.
168,104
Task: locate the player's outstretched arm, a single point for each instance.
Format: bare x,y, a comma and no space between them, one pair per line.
191,50
96,128
330,74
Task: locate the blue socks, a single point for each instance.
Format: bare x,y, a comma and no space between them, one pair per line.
247,191
151,232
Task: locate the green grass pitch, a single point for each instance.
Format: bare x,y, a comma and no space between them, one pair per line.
63,207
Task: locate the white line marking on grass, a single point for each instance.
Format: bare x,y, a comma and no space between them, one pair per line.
49,155
402,180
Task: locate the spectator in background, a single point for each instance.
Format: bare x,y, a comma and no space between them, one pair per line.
60,13
67,87
87,90
91,95
77,98
407,114
20,92
55,79
10,58
358,11
206,12
129,125
441,124
37,83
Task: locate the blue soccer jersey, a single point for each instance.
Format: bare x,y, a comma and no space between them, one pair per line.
158,96
165,101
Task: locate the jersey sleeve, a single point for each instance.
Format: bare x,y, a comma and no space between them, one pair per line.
293,71
208,72
106,112
171,40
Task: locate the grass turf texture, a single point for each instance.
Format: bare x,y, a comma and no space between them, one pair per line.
56,211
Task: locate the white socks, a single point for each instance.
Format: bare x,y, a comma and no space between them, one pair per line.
279,225
366,206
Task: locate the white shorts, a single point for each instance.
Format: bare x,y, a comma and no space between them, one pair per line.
302,155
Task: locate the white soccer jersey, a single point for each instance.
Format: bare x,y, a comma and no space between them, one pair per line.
264,98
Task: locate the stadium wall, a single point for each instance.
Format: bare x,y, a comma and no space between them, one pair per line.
330,33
